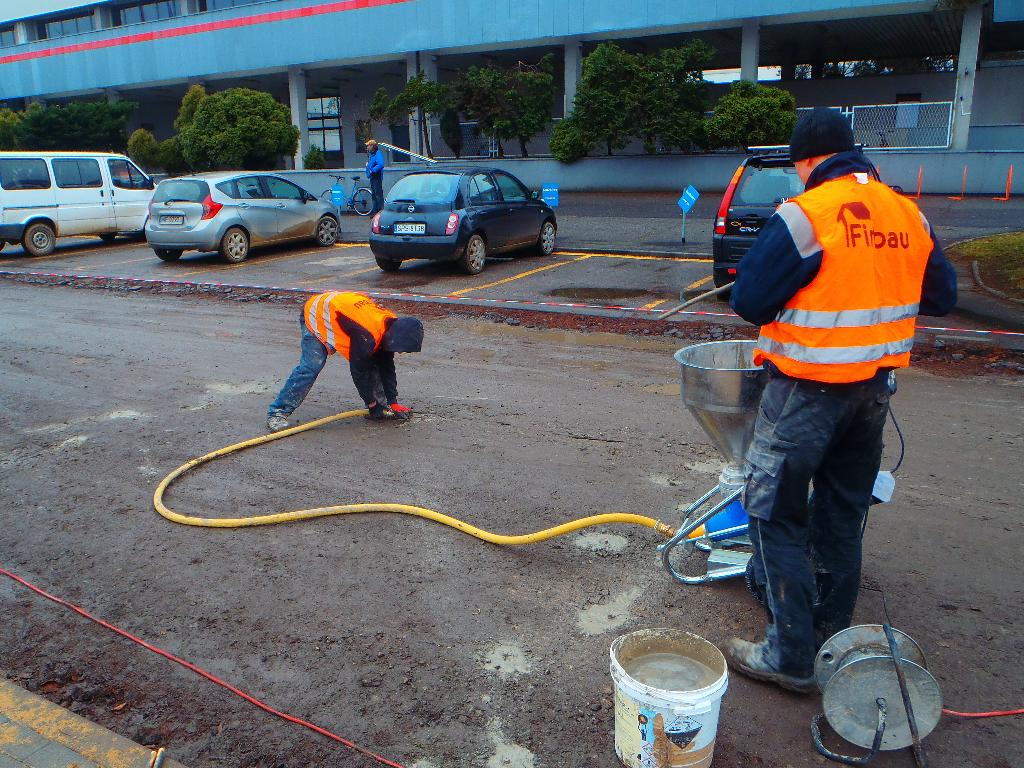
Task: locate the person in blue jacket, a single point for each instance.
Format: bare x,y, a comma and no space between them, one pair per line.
375,173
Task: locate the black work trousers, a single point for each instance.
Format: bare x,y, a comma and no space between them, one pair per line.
807,551
377,188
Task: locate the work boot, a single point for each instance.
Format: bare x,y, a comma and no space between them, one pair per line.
277,422
748,659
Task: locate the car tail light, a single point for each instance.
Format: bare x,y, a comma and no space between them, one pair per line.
452,225
375,224
723,209
730,271
210,208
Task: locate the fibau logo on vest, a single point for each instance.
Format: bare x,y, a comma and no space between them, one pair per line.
863,235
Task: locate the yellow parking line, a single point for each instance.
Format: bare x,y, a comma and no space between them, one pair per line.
517,277
637,256
247,263
65,253
698,283
340,274
653,304
114,263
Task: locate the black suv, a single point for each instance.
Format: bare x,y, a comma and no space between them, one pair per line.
764,181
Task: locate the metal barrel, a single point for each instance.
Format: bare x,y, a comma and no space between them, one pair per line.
722,388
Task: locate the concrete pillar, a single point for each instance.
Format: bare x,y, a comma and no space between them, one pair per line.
22,33
416,62
573,72
966,69
102,17
349,145
300,113
749,49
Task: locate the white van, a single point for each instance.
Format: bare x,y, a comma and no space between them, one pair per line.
46,195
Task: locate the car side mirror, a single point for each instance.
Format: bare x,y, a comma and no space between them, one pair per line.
536,194
150,184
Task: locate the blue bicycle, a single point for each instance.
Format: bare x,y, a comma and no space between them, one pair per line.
359,200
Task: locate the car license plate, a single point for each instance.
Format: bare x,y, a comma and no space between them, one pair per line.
172,219
410,228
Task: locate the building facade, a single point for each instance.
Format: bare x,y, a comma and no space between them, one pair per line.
327,58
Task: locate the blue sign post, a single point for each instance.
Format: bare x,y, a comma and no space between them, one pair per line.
549,194
686,202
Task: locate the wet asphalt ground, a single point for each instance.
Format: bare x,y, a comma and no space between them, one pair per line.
615,250
412,639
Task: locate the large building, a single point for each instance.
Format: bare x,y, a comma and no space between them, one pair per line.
326,59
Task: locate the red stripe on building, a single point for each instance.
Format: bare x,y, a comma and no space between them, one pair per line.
195,29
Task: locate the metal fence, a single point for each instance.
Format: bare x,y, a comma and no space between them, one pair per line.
908,125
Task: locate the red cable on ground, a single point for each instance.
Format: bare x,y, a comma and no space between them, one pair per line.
203,673
996,713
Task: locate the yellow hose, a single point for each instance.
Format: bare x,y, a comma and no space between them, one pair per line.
346,509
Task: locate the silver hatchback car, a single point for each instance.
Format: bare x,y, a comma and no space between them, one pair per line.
234,211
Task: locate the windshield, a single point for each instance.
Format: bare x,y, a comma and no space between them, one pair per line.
767,185
426,188
187,190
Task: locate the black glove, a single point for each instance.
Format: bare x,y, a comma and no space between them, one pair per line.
379,413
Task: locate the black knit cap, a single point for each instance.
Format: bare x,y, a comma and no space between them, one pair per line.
822,131
404,334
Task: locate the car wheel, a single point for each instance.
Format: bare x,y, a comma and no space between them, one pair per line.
327,231
234,246
39,239
167,254
546,239
475,255
108,237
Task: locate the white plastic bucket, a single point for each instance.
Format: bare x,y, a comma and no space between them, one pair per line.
657,728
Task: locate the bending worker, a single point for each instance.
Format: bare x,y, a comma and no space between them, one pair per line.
368,335
836,280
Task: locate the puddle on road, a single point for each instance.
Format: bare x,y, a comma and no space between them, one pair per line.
507,754
595,294
507,661
598,619
242,388
663,389
117,415
601,542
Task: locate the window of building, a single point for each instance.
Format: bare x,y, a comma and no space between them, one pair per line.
24,173
323,117
77,174
6,37
218,5
149,10
68,25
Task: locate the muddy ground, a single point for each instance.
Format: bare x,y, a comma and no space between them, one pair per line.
407,637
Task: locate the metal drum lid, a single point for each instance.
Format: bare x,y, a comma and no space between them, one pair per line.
849,701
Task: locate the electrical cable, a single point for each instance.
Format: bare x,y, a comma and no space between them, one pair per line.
203,673
903,443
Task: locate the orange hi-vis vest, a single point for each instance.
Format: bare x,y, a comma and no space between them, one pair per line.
857,314
323,310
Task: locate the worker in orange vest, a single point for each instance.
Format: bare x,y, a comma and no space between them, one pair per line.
836,279
367,335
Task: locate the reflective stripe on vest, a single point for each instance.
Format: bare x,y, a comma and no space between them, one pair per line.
857,315
321,317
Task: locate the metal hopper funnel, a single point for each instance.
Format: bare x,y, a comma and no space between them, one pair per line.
722,388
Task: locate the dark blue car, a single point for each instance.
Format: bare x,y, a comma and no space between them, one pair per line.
461,215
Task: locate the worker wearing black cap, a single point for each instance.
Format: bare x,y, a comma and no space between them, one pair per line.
367,335
836,280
